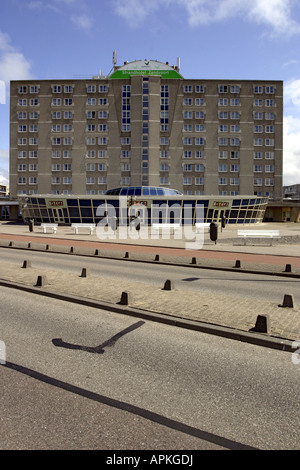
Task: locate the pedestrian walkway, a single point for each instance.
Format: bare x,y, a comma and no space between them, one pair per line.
233,312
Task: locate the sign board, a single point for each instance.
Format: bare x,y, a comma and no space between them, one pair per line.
55,203
146,68
219,204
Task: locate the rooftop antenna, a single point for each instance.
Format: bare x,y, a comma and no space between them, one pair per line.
178,63
115,57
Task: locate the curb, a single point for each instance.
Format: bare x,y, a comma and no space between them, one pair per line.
258,339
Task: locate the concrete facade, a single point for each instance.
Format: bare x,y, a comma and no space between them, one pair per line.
202,137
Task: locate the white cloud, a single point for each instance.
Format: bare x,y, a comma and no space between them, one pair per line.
274,13
136,11
13,64
83,22
4,164
292,93
291,150
291,132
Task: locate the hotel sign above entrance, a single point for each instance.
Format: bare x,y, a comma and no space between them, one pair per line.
219,204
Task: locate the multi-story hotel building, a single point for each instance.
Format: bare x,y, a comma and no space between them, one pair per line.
145,124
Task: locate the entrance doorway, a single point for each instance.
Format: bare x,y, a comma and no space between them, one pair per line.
138,210
58,216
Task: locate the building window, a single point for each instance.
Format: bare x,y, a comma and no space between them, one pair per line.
269,155
22,180
22,89
223,168
234,88
164,167
223,115
269,168
223,102
223,88
257,168
199,167
187,180
91,102
270,103
90,180
199,154
103,88
164,154
102,180
187,154
199,180
91,88
222,181
187,167
188,115
258,155
258,89
200,102
199,115
164,180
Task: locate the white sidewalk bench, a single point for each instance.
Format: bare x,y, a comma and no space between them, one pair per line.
202,225
258,234
163,226
90,227
52,227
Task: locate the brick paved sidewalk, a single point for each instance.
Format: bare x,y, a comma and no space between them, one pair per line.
229,311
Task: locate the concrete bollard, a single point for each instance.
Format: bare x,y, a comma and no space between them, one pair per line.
288,301
262,324
168,285
26,264
47,247
41,281
126,254
126,298
96,252
72,249
156,258
11,244
194,260
237,264
288,268
29,245
85,272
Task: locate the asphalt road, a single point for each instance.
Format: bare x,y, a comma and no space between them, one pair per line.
77,377
258,286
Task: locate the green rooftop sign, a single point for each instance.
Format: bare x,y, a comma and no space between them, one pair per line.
146,68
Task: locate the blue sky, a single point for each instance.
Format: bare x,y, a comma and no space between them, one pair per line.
215,39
